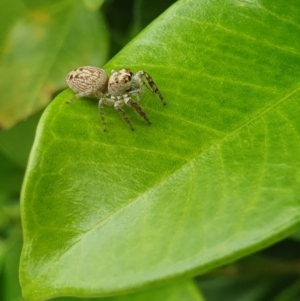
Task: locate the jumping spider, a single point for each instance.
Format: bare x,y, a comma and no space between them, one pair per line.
116,90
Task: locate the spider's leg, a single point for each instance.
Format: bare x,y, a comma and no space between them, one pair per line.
151,84
138,93
117,107
130,103
101,112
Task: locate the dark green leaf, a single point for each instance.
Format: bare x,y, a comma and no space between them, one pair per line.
256,278
292,293
11,288
11,176
17,142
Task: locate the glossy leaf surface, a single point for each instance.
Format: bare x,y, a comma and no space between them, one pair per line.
216,175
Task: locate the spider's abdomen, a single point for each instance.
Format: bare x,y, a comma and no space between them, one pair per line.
119,82
87,78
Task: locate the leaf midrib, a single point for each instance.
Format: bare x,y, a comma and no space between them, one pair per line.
131,202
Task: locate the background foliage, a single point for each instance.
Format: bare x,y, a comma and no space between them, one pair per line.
238,75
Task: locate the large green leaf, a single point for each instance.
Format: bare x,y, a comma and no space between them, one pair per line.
38,41
216,176
262,276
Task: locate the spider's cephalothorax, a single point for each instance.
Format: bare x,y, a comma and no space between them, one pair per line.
115,90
